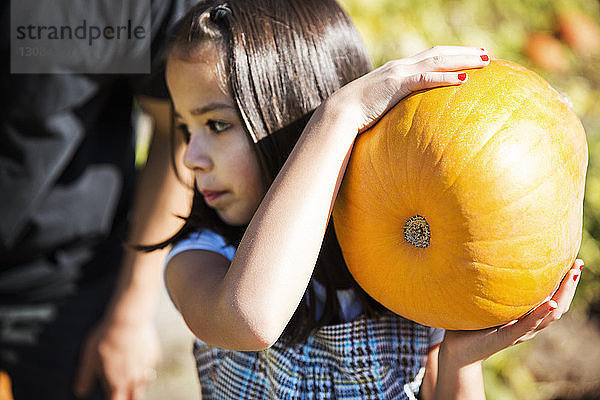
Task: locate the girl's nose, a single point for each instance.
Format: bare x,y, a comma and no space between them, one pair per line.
196,156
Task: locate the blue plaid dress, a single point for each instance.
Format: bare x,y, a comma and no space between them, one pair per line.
362,359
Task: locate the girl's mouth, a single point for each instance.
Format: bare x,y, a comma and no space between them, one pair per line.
210,195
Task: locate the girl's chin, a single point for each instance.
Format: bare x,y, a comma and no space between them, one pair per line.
233,220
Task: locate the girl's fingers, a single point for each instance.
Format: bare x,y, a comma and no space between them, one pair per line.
478,345
428,80
439,66
534,322
564,294
526,327
552,309
449,63
381,89
444,51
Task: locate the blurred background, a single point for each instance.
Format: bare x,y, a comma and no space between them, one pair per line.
559,39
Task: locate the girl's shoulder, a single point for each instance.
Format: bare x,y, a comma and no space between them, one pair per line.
203,240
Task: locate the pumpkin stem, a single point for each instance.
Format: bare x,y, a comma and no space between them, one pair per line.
417,232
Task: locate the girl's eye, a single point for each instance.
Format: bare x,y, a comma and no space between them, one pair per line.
183,128
217,126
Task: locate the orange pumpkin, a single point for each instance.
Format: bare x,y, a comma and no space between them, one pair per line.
462,207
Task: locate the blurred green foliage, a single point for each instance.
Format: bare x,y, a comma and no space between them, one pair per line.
509,29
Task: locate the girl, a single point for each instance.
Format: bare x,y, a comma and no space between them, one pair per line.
270,96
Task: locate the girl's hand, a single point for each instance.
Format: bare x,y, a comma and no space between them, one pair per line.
468,347
366,99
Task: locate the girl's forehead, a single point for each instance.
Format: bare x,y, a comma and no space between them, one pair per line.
187,73
194,82
203,62
206,59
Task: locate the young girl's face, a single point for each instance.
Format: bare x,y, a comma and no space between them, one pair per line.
219,153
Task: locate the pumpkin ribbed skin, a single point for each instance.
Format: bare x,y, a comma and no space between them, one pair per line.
496,169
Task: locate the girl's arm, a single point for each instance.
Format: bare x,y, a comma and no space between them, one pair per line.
461,383
427,389
462,352
248,305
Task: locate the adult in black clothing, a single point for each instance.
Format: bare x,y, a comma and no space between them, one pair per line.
76,307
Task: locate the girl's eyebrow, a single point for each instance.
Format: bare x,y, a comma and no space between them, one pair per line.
208,108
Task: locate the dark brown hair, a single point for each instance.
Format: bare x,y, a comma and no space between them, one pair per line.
280,60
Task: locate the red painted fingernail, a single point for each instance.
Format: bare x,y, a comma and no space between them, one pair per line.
484,58
575,277
462,76
553,305
482,49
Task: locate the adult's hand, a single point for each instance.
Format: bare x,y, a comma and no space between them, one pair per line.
122,356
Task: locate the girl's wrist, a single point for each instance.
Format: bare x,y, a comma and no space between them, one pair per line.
455,356
341,113
458,378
